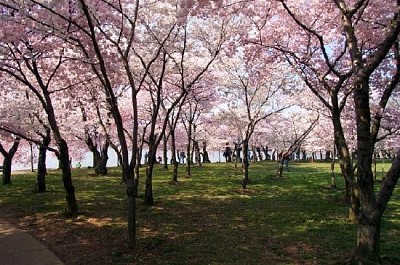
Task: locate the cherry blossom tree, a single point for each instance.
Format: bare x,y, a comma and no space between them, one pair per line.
7,159
255,92
21,115
337,56
37,62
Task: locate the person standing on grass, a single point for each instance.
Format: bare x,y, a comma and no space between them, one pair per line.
182,157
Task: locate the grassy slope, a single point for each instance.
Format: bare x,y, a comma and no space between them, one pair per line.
206,219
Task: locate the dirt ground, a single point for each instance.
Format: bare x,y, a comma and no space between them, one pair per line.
74,242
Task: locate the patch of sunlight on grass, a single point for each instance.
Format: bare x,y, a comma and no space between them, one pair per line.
208,218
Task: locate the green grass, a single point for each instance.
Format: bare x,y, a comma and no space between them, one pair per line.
208,219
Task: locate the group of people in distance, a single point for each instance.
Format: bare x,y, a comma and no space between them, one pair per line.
180,154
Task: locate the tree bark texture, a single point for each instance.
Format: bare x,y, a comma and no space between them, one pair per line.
101,166
71,204
7,162
148,196
42,168
368,230
131,198
245,165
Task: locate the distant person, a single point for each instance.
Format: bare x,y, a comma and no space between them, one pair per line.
78,165
286,158
227,154
159,158
182,157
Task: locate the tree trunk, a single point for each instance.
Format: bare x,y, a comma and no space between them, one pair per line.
175,155
71,205
96,157
7,162
148,196
42,169
253,150
368,236
346,166
245,165
165,152
131,199
101,167
148,193
333,176
188,157
197,151
7,170
368,232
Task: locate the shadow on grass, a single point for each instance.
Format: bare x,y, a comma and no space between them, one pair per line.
205,219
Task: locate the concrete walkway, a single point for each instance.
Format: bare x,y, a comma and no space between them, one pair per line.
19,248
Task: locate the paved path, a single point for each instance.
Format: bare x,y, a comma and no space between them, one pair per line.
19,248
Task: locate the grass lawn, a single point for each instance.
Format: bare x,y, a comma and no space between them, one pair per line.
205,219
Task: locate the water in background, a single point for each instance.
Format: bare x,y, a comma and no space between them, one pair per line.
87,161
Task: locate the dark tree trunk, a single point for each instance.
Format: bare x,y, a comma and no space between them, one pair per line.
333,176
175,156
42,168
7,162
253,150
96,157
197,151
131,201
346,166
188,158
101,166
71,205
368,231
245,164
279,170
148,195
165,152
7,170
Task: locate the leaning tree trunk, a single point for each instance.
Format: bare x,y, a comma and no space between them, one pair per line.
346,166
7,162
71,205
279,171
42,169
